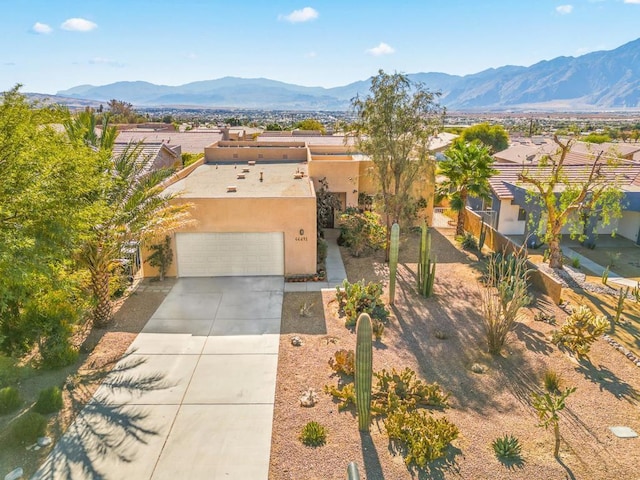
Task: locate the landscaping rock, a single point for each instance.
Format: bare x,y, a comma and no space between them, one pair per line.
14,474
623,432
309,398
296,341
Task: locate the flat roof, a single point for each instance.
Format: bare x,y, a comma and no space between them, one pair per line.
278,180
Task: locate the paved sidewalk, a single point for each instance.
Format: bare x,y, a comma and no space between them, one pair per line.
336,274
194,397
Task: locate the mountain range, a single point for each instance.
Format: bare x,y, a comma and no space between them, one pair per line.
597,81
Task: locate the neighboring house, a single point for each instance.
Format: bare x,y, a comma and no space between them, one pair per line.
512,211
255,205
163,155
193,141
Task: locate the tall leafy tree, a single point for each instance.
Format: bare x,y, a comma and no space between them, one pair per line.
394,125
573,201
467,168
495,137
45,211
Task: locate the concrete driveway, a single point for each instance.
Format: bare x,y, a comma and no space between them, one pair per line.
194,396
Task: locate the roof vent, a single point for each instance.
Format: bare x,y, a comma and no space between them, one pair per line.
232,188
298,176
252,162
240,176
246,170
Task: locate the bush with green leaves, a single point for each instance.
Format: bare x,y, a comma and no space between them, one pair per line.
343,362
507,447
313,435
49,400
403,390
362,232
468,241
420,437
27,428
56,350
356,298
580,330
10,400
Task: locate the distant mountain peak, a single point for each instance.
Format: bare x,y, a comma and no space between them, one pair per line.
603,80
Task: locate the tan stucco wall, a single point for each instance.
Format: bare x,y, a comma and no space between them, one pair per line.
254,151
288,215
342,177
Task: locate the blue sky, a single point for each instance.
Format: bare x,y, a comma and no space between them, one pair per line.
51,45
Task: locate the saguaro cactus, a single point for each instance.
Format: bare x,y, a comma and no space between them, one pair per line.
426,268
393,261
363,371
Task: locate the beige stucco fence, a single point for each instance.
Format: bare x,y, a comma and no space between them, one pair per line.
498,243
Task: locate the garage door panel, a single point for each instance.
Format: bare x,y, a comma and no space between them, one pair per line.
230,254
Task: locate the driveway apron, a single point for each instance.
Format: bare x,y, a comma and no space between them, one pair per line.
192,398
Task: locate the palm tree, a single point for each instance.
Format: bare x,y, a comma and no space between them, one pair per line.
129,206
467,168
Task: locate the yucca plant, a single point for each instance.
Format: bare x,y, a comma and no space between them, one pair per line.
507,447
551,381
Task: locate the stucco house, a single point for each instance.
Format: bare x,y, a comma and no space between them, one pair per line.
254,205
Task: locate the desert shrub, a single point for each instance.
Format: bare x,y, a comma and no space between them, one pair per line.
580,330
361,232
356,298
27,428
343,361
55,349
49,400
575,262
547,407
505,293
9,400
507,447
313,435
345,395
419,436
551,381
394,390
468,241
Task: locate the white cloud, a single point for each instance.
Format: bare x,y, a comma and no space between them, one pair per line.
105,61
382,49
311,55
78,25
41,28
192,56
564,9
304,15
637,2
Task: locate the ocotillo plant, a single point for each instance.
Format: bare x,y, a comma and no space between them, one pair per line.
363,371
393,261
426,268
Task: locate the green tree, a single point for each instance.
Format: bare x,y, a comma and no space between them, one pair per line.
493,136
394,125
45,211
467,168
310,124
571,201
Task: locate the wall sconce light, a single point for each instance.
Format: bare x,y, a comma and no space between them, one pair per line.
301,232
355,191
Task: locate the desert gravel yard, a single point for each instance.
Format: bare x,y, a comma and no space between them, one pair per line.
441,338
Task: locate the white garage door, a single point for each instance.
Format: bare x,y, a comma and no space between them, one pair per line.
229,254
